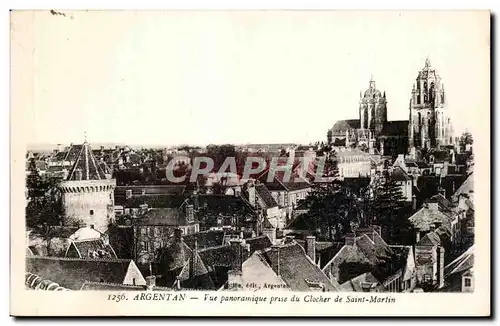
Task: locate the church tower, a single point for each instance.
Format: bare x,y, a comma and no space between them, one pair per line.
87,192
373,109
429,123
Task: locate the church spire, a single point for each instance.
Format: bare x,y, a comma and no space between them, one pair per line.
427,62
372,82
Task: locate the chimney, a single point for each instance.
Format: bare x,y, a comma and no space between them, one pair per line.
442,191
190,213
350,239
251,194
414,202
128,193
150,282
227,239
377,229
234,280
105,239
311,247
237,248
432,227
177,235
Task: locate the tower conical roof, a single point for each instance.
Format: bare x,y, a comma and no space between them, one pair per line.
86,166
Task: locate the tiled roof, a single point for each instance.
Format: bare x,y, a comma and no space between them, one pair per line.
177,254
343,125
291,263
154,201
258,243
60,156
442,201
73,153
431,239
265,195
161,216
422,165
266,224
425,217
94,248
73,273
225,205
204,239
466,187
355,284
86,163
151,190
325,250
462,263
218,256
368,255
282,183
398,174
395,128
121,239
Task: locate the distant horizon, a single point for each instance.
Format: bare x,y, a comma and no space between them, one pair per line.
112,144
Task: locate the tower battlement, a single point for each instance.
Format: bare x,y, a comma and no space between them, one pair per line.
87,186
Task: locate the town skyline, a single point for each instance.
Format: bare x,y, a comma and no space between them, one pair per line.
279,69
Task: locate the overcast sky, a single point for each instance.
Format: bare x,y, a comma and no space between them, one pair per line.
242,77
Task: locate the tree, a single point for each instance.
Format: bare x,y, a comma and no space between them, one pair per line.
44,206
465,139
332,211
386,207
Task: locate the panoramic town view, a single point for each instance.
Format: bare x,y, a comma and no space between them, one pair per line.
374,206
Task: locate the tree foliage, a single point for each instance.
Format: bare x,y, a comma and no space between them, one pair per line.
332,211
465,139
387,207
44,205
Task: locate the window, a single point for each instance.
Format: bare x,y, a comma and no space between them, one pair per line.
91,212
467,282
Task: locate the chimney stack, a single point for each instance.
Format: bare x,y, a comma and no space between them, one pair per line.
237,247
251,193
128,193
311,247
150,282
350,239
377,229
414,202
177,235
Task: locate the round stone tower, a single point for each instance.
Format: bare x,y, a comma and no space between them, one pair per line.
87,192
